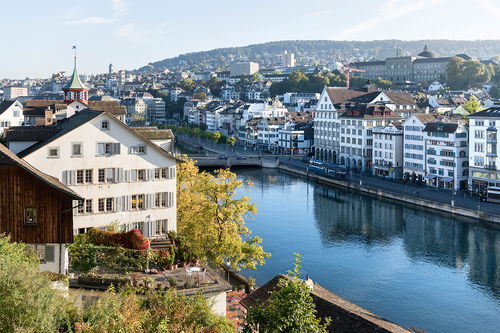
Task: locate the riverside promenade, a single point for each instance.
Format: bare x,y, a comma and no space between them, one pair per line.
458,203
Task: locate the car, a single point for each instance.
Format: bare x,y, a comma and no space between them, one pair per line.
241,158
305,159
222,157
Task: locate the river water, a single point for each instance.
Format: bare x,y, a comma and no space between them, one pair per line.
412,266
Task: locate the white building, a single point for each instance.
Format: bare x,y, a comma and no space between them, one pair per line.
243,68
155,110
356,136
123,176
11,114
484,162
14,92
414,161
267,132
388,150
296,135
288,59
447,154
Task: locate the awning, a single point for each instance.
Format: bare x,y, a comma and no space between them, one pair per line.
447,179
430,176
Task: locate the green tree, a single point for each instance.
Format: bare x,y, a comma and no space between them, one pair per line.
382,84
290,308
231,140
473,105
187,85
212,219
28,302
216,136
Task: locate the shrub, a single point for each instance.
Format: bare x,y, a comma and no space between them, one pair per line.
132,239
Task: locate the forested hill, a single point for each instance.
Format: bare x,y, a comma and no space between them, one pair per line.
325,51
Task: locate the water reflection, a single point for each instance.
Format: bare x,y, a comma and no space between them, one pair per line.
426,236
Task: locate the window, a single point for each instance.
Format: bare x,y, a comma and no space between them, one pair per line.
53,152
161,227
46,253
138,150
84,176
30,216
81,208
138,201
105,149
76,149
105,125
109,204
141,174
101,205
110,175
79,176
101,175
88,206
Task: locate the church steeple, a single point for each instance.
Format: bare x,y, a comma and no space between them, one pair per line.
75,90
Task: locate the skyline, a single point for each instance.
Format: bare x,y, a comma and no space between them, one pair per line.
131,34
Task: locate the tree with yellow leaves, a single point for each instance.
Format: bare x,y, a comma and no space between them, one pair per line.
211,217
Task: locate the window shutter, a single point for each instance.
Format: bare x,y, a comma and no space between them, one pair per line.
120,175
118,204
129,202
127,175
146,229
133,175
50,253
116,148
146,201
75,209
153,228
64,178
146,174
151,174
72,177
151,200
100,149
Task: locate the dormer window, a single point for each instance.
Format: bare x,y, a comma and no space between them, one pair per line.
105,125
30,216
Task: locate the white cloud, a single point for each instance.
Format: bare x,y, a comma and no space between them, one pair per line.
390,10
490,8
119,7
132,33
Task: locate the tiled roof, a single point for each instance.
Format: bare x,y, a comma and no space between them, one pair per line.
112,107
425,118
75,82
29,133
153,133
492,112
369,111
8,157
345,315
440,127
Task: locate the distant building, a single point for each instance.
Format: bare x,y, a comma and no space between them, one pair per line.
243,68
388,150
425,67
11,114
288,59
14,92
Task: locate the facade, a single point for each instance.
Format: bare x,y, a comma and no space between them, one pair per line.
11,114
123,176
243,68
414,147
296,137
484,162
356,133
14,92
447,154
425,67
388,150
288,59
135,107
155,110
36,209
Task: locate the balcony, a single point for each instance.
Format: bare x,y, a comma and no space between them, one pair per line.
431,152
490,166
431,161
492,154
491,140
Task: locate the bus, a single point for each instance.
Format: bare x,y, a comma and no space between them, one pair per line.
492,194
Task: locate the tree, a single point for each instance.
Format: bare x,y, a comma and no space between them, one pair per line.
382,84
187,85
290,308
216,136
453,70
231,140
211,217
28,302
472,105
465,74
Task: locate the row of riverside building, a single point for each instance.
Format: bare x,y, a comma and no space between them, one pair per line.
385,133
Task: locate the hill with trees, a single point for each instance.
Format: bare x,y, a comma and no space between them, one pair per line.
309,52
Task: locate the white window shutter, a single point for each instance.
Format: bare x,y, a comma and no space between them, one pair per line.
153,228
100,149
127,175
129,202
119,178
118,204
117,148
146,174
72,177
151,200
64,178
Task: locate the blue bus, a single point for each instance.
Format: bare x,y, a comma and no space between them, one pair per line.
327,169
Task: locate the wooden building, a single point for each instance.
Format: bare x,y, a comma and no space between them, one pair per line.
37,209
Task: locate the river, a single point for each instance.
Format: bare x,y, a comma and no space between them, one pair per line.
412,266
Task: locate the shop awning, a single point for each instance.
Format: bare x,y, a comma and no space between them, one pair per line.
430,176
447,179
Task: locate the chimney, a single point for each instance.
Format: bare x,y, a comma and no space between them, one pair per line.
48,120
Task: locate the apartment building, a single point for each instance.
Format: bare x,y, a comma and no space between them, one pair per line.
122,176
388,150
484,162
447,153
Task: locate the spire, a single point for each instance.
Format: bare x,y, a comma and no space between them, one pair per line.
426,48
75,82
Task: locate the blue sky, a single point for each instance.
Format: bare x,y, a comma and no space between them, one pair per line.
37,35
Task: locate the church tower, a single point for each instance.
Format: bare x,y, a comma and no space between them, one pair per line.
75,90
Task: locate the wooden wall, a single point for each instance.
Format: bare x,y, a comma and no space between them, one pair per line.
19,190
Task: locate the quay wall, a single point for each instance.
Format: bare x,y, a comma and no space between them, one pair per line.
469,213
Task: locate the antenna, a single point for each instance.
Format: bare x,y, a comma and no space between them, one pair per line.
74,48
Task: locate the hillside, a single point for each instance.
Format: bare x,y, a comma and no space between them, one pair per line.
324,51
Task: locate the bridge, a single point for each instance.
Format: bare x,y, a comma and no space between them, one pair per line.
216,162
